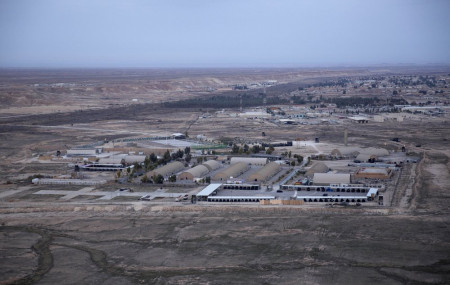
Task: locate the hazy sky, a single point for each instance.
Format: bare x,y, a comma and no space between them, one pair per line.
222,33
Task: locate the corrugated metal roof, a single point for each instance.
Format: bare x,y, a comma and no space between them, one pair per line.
241,197
209,189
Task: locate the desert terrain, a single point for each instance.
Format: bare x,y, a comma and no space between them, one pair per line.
83,240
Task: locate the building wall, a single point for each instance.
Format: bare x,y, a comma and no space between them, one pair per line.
249,160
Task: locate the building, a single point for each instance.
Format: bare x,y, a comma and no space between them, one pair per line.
249,160
212,164
331,178
374,173
83,152
318,167
179,136
168,169
195,172
362,157
265,173
233,171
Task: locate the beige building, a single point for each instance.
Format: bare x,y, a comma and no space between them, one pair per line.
168,169
374,173
249,160
233,171
265,173
331,178
318,167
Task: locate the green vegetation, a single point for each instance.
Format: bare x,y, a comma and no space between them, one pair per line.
221,101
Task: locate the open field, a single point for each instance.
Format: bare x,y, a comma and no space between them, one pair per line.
83,240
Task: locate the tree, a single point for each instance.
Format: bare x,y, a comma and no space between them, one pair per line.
199,159
173,178
188,157
235,149
255,149
246,148
270,149
187,150
158,179
293,163
145,179
153,158
167,156
208,179
299,158
290,154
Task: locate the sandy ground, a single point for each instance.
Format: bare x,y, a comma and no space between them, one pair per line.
83,240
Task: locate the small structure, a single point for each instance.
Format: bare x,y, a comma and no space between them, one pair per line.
233,171
249,160
265,173
168,169
331,178
360,119
179,136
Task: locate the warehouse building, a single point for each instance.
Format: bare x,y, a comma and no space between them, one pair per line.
249,160
195,172
212,165
318,167
233,171
199,170
374,173
83,152
331,178
265,173
168,169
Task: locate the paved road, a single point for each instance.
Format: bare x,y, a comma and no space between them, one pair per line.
67,195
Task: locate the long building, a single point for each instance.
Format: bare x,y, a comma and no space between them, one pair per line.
249,160
233,171
168,169
265,173
199,170
212,165
331,178
195,172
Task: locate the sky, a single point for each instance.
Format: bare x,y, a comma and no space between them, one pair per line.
223,33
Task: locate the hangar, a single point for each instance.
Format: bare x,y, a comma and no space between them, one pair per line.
168,169
195,172
233,171
212,165
265,173
199,170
